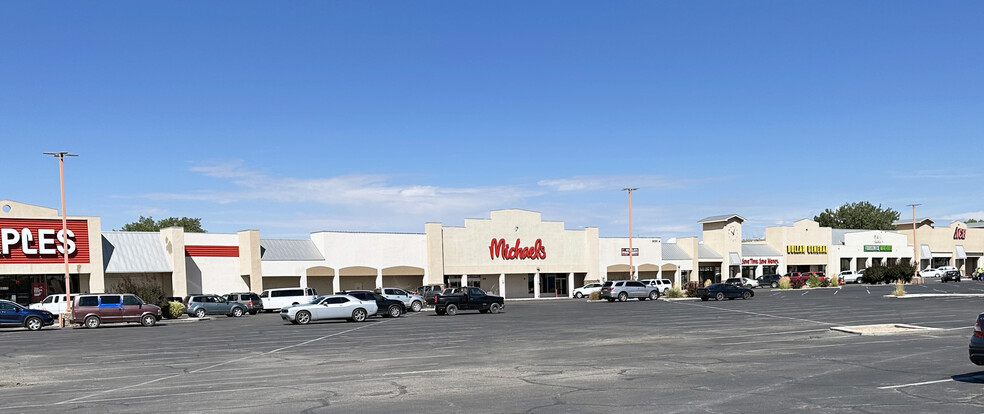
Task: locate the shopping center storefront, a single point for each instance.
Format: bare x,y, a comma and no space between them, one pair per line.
957,244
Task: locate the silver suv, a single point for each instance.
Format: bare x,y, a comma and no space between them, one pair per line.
413,301
625,289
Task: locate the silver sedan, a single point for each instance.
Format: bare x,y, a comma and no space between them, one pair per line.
330,307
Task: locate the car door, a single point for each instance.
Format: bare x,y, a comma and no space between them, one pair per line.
132,308
111,308
8,313
341,307
636,289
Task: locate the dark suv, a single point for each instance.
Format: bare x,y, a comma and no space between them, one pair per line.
201,305
387,307
428,292
249,299
32,319
950,275
769,280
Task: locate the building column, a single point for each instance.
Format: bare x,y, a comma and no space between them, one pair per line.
676,278
502,285
536,285
379,278
336,283
464,280
304,280
570,285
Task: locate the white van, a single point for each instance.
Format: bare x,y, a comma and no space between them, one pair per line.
276,299
53,303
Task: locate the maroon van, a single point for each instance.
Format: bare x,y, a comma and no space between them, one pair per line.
92,310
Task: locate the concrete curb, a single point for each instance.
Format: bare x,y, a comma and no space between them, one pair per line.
882,329
185,320
936,295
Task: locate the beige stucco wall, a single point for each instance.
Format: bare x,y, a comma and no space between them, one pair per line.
610,252
805,232
724,237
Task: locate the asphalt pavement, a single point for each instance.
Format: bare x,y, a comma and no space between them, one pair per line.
774,353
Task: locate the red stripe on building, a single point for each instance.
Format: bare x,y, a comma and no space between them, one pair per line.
17,256
212,251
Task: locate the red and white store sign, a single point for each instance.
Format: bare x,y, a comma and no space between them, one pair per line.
499,248
31,241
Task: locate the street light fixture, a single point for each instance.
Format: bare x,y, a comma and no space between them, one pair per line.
631,268
68,279
915,244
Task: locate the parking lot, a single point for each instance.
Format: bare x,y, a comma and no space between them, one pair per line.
773,353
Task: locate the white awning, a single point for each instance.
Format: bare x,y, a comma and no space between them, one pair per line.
961,254
735,259
924,253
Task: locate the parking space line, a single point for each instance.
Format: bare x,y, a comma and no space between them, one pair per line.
756,313
892,387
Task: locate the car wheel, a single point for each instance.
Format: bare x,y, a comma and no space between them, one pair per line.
416,306
494,308
237,312
746,295
578,295
33,323
200,313
303,317
359,315
719,296
774,285
704,298
653,295
451,310
394,312
91,322
148,320
622,297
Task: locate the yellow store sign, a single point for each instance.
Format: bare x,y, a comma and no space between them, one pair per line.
802,249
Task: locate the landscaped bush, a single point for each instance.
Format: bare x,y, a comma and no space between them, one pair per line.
594,296
707,282
784,283
834,281
175,309
150,292
692,289
874,274
797,283
674,293
899,289
813,281
902,271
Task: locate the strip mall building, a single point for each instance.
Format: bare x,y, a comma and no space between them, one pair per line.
513,253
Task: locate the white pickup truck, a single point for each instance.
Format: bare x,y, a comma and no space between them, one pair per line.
52,303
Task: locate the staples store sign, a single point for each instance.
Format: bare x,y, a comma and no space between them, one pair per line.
33,241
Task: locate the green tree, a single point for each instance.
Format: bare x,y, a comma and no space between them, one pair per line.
973,221
191,225
862,215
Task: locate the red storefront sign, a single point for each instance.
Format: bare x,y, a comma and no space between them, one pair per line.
499,248
959,234
32,241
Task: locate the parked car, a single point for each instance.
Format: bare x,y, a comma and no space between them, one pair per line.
950,275
52,303
850,276
469,298
201,305
737,281
33,319
330,307
250,300
587,290
660,284
935,272
719,291
412,301
428,292
276,299
977,342
92,310
625,289
751,283
390,308
769,280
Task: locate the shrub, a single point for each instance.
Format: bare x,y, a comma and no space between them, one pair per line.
692,289
813,281
594,296
823,283
674,293
150,292
874,274
707,282
899,289
175,309
834,280
784,282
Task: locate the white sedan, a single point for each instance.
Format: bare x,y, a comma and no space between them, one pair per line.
330,307
751,283
930,272
587,290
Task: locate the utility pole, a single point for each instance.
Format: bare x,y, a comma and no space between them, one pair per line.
915,244
68,279
631,268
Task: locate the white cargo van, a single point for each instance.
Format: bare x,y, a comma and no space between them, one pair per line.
276,299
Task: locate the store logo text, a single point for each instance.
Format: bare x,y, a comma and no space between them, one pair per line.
45,241
499,248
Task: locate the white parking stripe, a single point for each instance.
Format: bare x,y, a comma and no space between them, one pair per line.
892,387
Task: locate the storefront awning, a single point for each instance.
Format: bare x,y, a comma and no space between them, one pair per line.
961,254
735,259
924,253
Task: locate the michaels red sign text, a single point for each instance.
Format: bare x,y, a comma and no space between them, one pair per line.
499,248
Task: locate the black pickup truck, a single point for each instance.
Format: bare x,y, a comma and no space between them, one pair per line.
471,298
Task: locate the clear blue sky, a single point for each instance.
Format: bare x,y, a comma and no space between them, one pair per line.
293,117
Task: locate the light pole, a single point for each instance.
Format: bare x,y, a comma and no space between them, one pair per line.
631,268
915,244
68,279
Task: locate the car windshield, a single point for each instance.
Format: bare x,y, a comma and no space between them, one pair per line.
318,299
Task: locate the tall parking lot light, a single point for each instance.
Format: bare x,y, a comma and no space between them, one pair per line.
68,280
631,268
915,244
